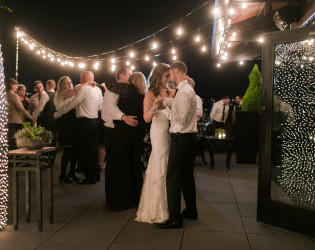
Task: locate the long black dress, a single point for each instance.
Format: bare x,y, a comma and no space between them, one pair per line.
124,165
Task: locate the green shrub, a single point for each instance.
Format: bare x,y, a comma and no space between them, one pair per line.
251,99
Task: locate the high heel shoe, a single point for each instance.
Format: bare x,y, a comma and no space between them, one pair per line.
64,179
73,177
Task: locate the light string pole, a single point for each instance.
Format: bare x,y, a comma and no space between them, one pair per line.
18,34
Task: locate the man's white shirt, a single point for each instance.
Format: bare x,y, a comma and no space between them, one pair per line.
44,98
110,110
217,111
183,113
86,103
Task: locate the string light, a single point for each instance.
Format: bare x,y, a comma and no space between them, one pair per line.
113,67
294,84
82,65
173,51
216,11
244,5
174,58
96,65
154,64
127,63
197,38
147,58
241,62
113,60
261,39
218,65
154,45
132,54
179,31
3,150
132,67
231,11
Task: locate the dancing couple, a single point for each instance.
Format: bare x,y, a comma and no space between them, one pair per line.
170,168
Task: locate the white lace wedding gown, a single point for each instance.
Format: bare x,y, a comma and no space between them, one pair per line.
153,202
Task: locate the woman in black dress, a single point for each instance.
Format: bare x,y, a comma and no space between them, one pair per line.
66,128
124,166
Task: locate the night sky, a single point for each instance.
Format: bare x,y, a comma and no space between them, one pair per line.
81,28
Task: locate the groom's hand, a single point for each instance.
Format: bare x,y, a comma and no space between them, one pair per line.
130,120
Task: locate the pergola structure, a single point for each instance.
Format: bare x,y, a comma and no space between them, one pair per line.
249,19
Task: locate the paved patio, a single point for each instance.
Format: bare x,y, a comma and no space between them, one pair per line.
227,218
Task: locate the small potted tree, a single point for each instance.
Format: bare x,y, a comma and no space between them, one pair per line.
246,124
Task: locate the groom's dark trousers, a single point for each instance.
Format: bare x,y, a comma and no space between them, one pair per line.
180,174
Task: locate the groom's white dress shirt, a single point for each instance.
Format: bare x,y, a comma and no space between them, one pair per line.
183,113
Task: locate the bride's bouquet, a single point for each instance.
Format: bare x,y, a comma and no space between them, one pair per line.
32,137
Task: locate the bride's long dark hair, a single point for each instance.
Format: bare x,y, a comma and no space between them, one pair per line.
155,78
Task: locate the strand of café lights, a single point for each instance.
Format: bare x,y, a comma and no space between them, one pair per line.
224,43
66,60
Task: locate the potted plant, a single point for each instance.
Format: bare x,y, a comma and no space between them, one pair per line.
246,124
33,137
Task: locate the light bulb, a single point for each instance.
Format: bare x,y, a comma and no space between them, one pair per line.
197,39
179,31
132,54
147,58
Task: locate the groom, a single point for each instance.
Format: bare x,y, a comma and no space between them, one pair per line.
180,171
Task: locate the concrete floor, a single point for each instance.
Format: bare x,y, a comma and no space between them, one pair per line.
227,203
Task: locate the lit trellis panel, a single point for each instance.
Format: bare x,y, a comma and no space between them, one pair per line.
294,86
3,150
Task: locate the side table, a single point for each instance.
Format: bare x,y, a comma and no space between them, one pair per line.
25,160
212,140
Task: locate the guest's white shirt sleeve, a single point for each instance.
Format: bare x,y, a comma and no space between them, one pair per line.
112,105
79,97
199,107
42,102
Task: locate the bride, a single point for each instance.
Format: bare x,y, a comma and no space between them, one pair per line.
153,202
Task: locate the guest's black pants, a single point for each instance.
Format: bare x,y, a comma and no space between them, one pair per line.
12,129
87,148
180,174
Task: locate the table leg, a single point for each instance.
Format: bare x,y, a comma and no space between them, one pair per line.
211,155
229,154
39,198
27,195
50,194
15,190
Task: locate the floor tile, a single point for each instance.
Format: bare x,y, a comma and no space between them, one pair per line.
195,239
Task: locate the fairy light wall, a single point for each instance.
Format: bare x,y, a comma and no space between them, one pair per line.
3,150
294,86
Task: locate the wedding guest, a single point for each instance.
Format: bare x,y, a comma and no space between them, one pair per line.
153,203
86,103
21,91
34,100
110,113
101,131
16,112
238,102
66,128
45,109
220,112
124,167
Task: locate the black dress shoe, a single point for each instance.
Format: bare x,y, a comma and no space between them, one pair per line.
169,224
190,214
85,182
